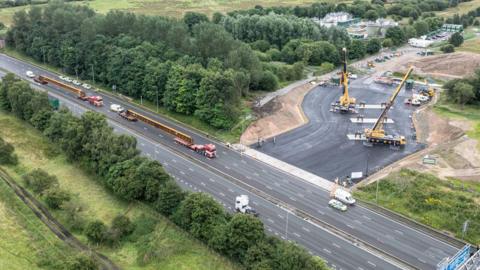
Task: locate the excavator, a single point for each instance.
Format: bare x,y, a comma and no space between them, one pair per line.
428,90
345,104
377,134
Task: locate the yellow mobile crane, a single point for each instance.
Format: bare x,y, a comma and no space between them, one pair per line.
376,134
345,104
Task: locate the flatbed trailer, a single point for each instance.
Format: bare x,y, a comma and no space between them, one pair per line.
79,92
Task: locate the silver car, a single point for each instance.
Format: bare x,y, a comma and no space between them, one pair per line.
337,205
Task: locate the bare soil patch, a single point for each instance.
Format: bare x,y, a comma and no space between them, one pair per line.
280,115
447,66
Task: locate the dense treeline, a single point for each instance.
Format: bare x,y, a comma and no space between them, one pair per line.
193,67
90,142
464,91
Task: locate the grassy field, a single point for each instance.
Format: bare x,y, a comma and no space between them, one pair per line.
25,241
461,8
470,113
444,205
175,8
180,250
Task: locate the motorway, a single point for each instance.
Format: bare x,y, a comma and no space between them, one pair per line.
305,146
215,177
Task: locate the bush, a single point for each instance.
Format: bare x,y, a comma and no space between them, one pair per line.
387,43
39,181
449,48
456,39
7,157
170,196
96,231
83,261
55,197
268,81
373,46
121,227
274,54
260,45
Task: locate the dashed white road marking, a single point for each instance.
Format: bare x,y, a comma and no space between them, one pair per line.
305,229
243,161
221,194
202,183
255,203
399,232
142,144
372,264
296,234
327,251
336,245
174,160
211,180
350,226
270,220
182,172
190,169
280,216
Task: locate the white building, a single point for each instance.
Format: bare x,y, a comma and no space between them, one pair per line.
419,42
335,19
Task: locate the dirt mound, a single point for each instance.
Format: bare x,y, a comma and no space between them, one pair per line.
447,66
279,115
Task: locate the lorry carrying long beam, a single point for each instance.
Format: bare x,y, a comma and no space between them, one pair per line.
208,150
94,100
377,134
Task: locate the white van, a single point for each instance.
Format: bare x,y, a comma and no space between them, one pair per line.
30,74
344,196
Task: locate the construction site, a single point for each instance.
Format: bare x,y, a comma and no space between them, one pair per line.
356,126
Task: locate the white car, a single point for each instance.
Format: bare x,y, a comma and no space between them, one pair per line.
67,79
62,77
337,205
87,86
30,74
76,82
116,108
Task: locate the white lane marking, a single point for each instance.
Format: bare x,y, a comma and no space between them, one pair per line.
320,212
399,232
221,194
269,187
270,230
372,264
145,128
293,199
270,220
358,221
211,180
190,169
165,164
256,174
263,170
174,160
156,151
226,167
365,217
142,144
300,195
248,177
202,183
327,251
223,152
182,172
255,203
277,184
244,162
148,154
350,226
296,234
280,216
359,268
420,259
336,245
160,135
231,190
305,229
235,164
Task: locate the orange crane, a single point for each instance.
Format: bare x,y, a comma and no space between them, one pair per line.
345,104
377,134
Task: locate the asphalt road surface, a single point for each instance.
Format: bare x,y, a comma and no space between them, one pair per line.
322,147
210,175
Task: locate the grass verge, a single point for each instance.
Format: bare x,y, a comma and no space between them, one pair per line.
177,250
26,243
443,205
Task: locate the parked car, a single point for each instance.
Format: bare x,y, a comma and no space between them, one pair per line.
116,108
76,82
67,79
30,74
62,77
87,86
337,205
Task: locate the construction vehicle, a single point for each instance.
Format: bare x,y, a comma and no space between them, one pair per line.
370,64
377,134
209,150
427,90
94,100
409,84
342,195
345,104
241,205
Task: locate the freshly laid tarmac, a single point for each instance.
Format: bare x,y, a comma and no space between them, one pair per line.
322,147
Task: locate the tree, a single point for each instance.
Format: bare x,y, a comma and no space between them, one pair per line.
39,181
96,231
268,81
387,43
456,39
120,228
193,18
421,27
242,232
373,46
199,214
463,93
169,198
449,48
217,17
356,50
371,15
396,34
55,197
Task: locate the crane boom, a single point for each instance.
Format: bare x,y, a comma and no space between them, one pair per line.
345,103
379,123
